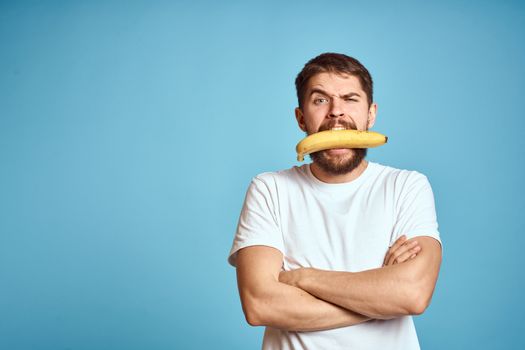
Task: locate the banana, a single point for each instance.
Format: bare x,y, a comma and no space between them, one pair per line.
338,139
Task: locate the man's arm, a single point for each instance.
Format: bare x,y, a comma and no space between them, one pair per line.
268,302
391,291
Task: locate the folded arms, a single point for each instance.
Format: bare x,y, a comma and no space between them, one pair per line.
310,299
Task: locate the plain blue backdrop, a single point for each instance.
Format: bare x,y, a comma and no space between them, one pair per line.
129,132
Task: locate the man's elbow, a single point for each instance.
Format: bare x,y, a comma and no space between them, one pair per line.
253,319
417,307
253,312
419,301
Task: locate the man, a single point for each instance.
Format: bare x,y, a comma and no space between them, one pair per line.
339,253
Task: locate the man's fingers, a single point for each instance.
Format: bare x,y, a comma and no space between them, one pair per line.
398,243
399,256
405,253
395,256
412,253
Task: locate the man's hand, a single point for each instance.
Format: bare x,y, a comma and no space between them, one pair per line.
293,277
401,251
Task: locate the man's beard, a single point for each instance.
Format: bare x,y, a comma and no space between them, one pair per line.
343,164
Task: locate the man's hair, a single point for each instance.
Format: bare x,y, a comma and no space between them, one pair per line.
333,63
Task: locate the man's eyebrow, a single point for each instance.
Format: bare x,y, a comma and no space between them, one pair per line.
322,92
319,91
351,94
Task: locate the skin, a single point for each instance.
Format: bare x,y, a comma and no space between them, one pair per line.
310,299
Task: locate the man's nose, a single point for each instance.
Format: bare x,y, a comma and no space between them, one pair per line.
336,109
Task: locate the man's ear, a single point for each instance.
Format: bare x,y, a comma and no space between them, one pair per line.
372,111
300,119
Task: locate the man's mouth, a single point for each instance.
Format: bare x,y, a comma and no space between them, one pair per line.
339,151
338,125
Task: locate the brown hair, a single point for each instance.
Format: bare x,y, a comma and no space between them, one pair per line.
333,63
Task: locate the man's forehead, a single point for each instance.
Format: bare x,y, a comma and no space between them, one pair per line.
334,83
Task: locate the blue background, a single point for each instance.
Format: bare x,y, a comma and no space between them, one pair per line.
129,132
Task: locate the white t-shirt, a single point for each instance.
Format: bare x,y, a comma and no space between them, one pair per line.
343,227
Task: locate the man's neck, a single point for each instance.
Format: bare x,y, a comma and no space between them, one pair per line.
337,179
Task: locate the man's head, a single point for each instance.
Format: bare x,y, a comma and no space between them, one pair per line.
335,91
334,63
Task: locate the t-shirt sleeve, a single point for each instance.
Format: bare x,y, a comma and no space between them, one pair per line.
416,212
258,222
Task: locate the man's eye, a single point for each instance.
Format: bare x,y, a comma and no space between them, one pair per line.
352,99
320,100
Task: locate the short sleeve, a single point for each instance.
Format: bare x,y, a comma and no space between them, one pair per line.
258,222
416,212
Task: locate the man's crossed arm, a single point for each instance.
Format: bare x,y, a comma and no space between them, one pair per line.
311,299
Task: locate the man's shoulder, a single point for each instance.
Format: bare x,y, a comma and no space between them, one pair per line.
400,180
291,174
397,175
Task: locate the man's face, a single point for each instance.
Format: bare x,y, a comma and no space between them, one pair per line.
334,101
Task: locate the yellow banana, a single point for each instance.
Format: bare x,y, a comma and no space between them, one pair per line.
338,139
